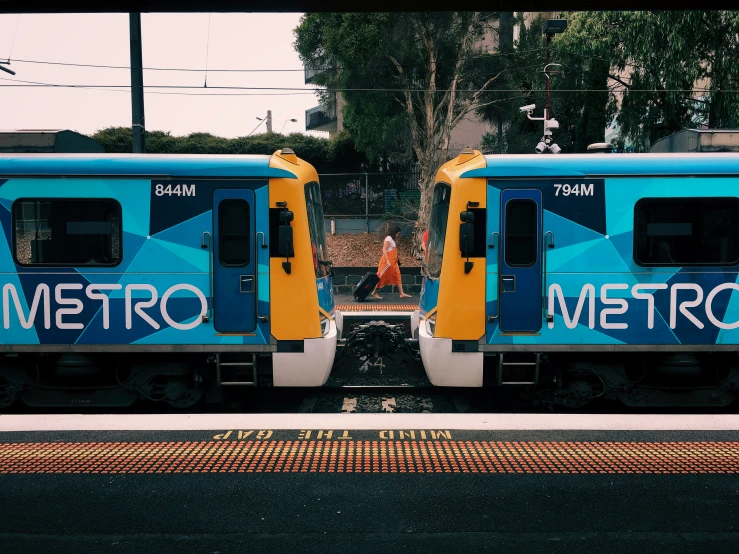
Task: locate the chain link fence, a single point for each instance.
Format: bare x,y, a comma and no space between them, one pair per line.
387,196
371,195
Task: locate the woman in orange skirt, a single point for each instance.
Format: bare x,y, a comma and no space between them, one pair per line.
388,269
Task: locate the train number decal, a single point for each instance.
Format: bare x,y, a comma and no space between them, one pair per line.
578,189
176,190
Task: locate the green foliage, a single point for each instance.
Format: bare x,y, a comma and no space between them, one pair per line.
346,50
667,54
650,60
404,57
337,155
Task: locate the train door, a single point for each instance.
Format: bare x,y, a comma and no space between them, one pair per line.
519,283
234,263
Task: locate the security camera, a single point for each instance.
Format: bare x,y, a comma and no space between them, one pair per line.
551,124
541,148
554,149
529,108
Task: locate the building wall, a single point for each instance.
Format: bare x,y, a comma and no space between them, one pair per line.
528,19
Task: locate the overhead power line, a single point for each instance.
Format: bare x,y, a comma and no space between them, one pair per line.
127,90
311,91
237,70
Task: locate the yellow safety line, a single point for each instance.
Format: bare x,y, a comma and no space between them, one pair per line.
252,455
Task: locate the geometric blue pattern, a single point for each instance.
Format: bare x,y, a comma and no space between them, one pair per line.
170,257
582,257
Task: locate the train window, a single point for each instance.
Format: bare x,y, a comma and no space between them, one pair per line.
520,233
67,232
686,231
439,217
316,229
234,222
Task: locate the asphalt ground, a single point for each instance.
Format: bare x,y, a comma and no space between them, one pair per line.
345,483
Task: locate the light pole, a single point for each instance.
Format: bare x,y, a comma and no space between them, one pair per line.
137,84
290,120
552,27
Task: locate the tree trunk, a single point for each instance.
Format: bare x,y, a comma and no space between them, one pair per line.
429,164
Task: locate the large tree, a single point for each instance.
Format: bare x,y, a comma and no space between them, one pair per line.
407,79
658,59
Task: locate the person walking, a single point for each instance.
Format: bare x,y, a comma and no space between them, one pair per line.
388,269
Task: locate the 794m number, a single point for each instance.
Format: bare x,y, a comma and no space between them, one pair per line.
578,189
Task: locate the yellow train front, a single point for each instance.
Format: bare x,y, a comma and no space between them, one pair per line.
451,315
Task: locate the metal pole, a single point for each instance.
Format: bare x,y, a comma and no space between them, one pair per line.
366,202
137,85
548,107
269,121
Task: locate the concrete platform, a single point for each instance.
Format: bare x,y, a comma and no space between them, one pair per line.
369,483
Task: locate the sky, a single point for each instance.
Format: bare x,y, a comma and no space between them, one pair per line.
234,41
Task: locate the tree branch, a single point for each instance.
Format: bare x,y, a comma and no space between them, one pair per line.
408,103
619,80
472,103
451,94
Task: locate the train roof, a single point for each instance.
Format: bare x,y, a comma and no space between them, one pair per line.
605,165
149,165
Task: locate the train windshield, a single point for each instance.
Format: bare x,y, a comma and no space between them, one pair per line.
439,216
317,232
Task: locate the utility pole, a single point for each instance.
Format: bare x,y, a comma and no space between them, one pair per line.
269,121
548,107
552,27
137,84
506,45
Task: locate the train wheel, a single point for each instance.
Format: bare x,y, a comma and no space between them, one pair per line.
8,394
186,399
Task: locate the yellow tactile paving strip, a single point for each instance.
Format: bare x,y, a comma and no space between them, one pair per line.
373,307
370,456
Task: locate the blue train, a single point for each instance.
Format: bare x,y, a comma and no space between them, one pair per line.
163,277
581,276
170,278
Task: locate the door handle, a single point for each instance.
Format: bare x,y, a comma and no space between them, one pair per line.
547,316
508,283
246,283
209,245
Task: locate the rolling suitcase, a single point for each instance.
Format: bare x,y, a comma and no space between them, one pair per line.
367,285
